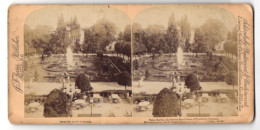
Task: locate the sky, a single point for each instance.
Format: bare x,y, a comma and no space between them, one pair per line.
197,15
86,15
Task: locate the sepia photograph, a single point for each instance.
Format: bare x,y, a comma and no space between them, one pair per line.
77,62
131,64
185,62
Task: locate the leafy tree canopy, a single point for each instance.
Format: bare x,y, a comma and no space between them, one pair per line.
82,82
231,78
192,82
124,79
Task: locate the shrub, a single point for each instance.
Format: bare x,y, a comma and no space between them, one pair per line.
57,104
124,79
192,82
166,104
82,82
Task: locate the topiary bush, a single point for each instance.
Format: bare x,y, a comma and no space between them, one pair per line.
57,104
166,104
82,82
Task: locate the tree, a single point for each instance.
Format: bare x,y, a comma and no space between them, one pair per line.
187,45
199,42
40,32
98,36
57,104
136,64
60,39
231,78
137,28
89,44
153,35
138,38
127,33
192,82
185,28
100,54
171,20
82,82
105,32
214,32
118,48
230,45
172,38
166,104
147,74
77,46
124,78
127,49
74,33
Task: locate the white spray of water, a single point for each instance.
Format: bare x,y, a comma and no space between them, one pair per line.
179,56
69,57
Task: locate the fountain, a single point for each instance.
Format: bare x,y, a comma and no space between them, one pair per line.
179,56
69,58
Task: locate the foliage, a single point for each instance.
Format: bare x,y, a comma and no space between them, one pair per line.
136,64
127,33
166,104
82,82
77,46
147,73
57,104
124,78
136,28
39,34
101,34
231,78
100,54
172,38
156,36
105,32
192,82
199,41
74,30
123,48
230,46
214,32
56,41
207,37
185,28
59,41
90,45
